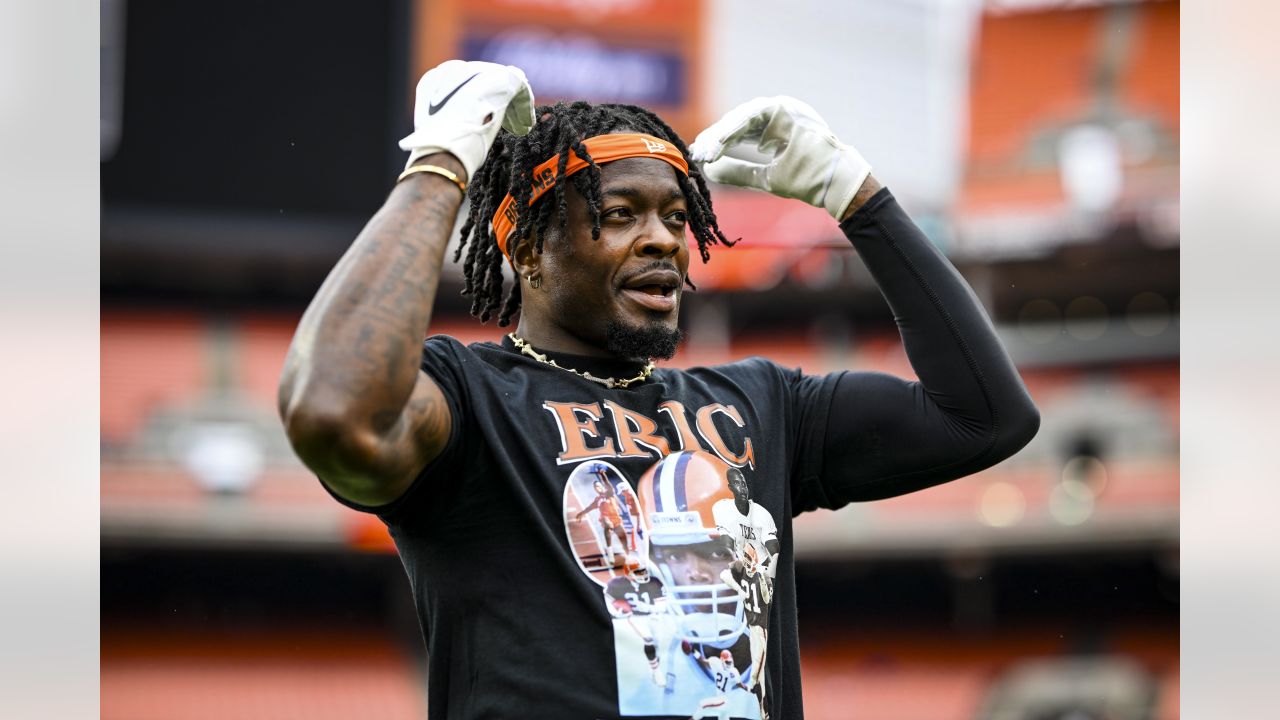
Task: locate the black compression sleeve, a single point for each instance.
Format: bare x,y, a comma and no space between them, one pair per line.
887,436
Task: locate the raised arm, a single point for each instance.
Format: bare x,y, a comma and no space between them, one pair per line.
357,407
356,404
885,436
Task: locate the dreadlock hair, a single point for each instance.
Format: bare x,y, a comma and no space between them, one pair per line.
508,168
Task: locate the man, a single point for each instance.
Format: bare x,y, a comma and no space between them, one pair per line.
727,679
609,513
465,451
679,495
749,524
755,543
633,597
706,614
756,588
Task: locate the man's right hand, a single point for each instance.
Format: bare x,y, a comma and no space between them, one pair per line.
460,106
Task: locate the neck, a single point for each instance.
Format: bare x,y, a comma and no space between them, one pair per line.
547,337
602,367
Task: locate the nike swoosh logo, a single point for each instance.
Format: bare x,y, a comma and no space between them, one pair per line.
433,107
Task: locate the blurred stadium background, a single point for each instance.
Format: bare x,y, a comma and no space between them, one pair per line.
244,144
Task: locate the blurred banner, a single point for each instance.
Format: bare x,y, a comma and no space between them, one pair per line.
635,52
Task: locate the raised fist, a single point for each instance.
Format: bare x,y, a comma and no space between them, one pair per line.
805,159
460,106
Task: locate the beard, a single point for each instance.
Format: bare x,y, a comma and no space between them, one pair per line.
641,341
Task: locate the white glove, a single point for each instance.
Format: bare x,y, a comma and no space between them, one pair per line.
807,162
460,106
770,567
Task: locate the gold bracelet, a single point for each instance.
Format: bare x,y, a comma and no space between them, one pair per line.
435,170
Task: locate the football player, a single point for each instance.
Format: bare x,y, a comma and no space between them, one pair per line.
690,555
628,510
633,597
610,518
749,579
688,550
726,677
745,521
599,209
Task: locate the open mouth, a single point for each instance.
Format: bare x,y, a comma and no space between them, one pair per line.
657,290
653,297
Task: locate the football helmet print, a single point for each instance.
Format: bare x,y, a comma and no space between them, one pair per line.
636,569
688,551
750,560
726,657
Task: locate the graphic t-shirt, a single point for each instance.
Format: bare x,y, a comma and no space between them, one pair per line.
515,584
511,551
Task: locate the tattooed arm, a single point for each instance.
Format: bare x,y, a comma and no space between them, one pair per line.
356,405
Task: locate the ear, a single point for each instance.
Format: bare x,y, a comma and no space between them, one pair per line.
527,260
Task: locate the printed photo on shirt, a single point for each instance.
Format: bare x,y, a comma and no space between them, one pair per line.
755,547
602,518
689,597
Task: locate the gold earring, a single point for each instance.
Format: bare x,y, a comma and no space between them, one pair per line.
535,282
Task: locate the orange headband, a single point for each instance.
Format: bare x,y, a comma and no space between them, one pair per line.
602,149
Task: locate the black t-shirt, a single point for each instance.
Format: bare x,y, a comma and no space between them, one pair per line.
509,580
552,486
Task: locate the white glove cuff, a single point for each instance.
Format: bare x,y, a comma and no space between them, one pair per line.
849,170
469,148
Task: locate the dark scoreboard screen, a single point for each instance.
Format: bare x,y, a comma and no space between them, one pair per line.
289,105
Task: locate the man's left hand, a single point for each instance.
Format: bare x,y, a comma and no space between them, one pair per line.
805,160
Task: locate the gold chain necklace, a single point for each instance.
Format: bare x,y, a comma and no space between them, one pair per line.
527,349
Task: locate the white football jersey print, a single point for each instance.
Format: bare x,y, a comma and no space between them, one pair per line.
756,526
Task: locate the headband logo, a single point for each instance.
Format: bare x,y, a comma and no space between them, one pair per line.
544,180
654,147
